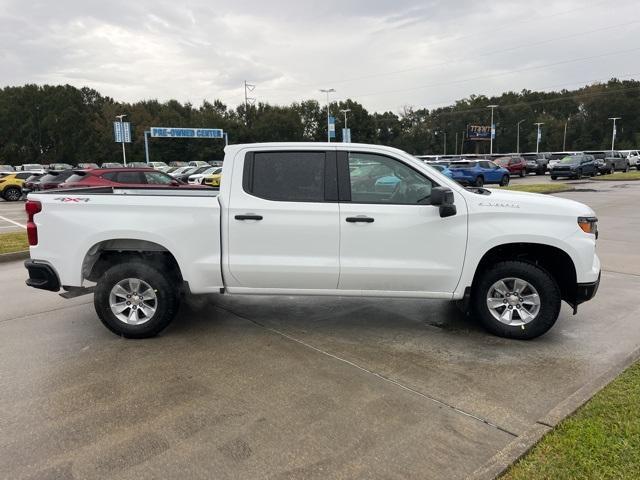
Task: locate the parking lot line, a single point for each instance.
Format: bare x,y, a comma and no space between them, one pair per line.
11,221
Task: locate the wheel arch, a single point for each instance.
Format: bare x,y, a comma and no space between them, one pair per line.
104,254
553,260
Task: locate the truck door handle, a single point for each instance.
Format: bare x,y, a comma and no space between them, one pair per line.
359,219
248,217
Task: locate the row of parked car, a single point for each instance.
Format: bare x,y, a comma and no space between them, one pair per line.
482,169
14,185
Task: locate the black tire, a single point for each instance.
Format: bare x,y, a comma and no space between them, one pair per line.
12,194
553,177
521,173
168,298
626,168
505,180
479,181
548,292
579,174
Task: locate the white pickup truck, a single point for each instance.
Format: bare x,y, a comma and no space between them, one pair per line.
316,219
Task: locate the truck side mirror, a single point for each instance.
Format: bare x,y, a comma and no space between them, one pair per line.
443,198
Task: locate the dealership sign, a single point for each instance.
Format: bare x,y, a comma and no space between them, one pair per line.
169,132
479,132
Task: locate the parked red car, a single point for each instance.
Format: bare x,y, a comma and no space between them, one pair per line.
515,164
117,177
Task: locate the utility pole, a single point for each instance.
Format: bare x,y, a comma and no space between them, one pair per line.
613,133
538,137
493,128
124,154
444,147
564,137
328,91
518,137
456,143
462,144
248,87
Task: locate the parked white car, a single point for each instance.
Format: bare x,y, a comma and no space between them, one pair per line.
634,159
198,163
159,165
196,179
292,219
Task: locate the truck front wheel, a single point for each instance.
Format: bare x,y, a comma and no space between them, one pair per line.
136,299
516,299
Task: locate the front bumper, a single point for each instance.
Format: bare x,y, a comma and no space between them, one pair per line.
563,173
586,291
42,275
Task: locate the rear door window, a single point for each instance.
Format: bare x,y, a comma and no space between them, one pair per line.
286,176
129,177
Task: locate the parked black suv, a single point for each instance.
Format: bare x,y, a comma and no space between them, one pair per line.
536,162
574,166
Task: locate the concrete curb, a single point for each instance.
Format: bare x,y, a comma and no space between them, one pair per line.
10,257
510,454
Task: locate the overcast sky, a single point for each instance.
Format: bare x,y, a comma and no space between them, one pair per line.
384,54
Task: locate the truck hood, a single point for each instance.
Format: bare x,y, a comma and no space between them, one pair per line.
508,200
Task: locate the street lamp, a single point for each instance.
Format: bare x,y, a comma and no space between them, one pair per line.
518,137
538,137
564,137
124,155
345,111
328,91
613,133
492,127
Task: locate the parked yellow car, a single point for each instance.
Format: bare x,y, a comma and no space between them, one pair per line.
11,185
212,180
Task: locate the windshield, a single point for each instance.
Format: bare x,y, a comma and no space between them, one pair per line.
502,161
568,159
32,166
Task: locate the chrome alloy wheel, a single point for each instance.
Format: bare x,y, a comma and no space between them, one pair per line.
133,301
513,301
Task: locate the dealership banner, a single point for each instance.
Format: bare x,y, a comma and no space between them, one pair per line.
478,132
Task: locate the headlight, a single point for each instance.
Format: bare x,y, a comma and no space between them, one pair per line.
589,225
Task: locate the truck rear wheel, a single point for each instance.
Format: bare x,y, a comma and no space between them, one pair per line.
136,299
516,299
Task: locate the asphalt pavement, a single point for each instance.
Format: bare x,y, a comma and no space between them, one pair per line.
302,387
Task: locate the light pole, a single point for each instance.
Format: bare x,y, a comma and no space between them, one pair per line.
613,133
345,111
492,128
328,91
518,137
538,137
444,143
564,137
124,154
462,144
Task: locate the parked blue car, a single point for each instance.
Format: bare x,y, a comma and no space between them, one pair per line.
478,173
444,169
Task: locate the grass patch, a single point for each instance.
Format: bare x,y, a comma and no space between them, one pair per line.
619,176
541,187
13,242
601,440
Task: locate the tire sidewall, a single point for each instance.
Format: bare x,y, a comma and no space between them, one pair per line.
167,299
10,189
548,290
